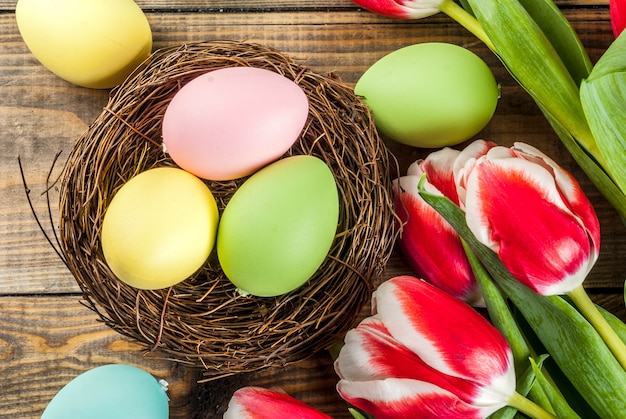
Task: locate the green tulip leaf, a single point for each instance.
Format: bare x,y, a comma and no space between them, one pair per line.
499,311
561,35
558,31
554,373
603,96
561,408
612,61
356,414
501,317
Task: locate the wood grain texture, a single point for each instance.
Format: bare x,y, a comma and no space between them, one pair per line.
46,341
264,5
47,337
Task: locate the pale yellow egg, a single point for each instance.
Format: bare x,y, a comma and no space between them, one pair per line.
159,228
91,43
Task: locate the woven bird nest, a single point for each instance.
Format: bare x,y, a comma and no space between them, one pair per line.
203,321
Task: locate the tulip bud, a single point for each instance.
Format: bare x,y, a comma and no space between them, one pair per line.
402,9
424,354
617,10
261,403
533,214
428,243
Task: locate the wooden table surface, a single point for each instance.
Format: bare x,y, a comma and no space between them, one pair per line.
47,337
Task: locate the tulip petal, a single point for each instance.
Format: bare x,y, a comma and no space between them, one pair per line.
514,207
371,353
465,159
617,10
574,195
261,403
402,398
402,9
446,333
430,245
438,168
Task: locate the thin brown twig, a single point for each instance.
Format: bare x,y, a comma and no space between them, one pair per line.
37,220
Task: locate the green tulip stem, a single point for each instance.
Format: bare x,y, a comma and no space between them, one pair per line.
529,408
469,22
582,301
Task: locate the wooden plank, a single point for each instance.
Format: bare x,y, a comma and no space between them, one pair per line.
25,257
47,341
226,5
261,5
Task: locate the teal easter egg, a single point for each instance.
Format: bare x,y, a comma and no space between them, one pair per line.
279,226
113,391
430,95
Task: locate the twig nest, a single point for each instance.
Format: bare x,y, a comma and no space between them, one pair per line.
203,321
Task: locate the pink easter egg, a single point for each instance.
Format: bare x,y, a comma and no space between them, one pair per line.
228,123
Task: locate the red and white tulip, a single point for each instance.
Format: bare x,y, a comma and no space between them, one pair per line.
532,213
424,354
401,9
262,403
429,244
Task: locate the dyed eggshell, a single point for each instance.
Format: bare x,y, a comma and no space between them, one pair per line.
278,227
110,391
159,228
430,95
228,123
95,43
